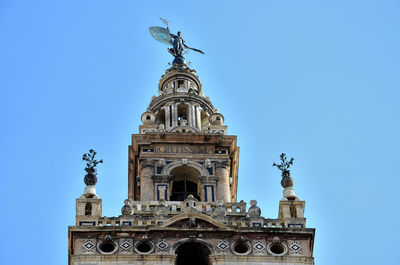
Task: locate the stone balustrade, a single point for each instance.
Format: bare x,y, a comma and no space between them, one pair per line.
178,206
145,214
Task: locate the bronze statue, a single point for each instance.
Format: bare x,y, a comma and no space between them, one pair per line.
164,35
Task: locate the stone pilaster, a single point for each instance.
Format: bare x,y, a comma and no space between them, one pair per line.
146,180
208,188
223,189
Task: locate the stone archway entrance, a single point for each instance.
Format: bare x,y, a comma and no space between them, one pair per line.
192,253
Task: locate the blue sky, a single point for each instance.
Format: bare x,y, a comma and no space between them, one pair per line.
318,80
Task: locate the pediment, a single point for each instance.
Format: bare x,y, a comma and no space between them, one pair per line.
194,221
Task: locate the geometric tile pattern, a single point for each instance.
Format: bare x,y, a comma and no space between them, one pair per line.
223,245
295,246
89,245
162,244
259,246
126,245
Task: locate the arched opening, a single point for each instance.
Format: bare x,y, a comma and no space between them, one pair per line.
192,88
183,188
88,209
183,113
192,253
293,212
185,181
160,117
204,119
181,84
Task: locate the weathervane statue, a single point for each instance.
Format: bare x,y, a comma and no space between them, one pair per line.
163,35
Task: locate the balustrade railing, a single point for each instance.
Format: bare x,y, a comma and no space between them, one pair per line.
234,213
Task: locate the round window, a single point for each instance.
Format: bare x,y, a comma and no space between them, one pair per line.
277,249
241,248
107,247
144,247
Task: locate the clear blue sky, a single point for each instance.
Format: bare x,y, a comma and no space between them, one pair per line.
318,80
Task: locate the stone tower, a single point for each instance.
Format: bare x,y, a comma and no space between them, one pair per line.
182,205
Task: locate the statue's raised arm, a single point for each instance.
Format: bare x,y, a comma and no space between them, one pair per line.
164,35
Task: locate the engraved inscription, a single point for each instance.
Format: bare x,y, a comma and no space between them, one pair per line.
184,149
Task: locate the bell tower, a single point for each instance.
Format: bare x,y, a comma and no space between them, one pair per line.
183,147
182,205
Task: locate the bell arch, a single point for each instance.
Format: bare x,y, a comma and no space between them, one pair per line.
168,168
185,181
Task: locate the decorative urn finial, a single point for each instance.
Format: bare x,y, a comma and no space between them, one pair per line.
91,172
254,211
127,209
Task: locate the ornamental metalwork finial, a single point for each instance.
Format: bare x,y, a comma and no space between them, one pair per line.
287,181
91,163
177,43
284,165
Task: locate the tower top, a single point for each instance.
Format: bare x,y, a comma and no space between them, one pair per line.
181,105
182,190
180,72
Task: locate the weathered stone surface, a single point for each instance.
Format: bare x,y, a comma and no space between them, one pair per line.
183,151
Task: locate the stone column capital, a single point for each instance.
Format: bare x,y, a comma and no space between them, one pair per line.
146,163
208,179
162,178
223,164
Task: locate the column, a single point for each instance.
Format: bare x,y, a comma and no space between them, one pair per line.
197,117
223,188
190,115
146,180
175,115
168,117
